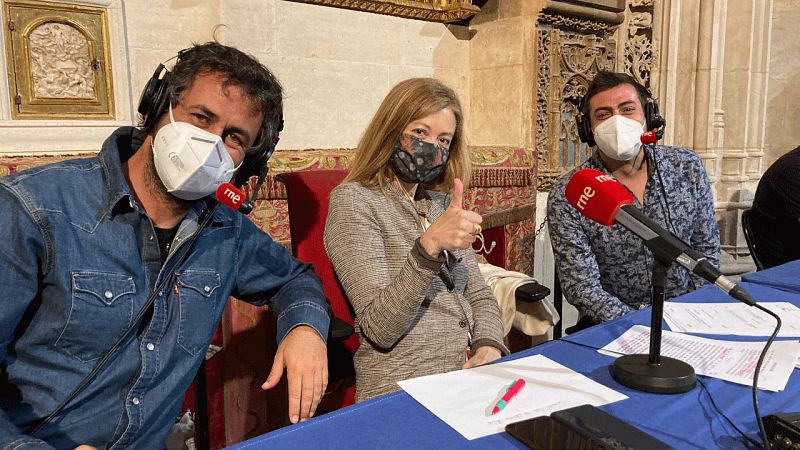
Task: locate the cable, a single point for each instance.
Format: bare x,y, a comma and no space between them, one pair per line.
663,191
758,369
713,403
664,197
728,419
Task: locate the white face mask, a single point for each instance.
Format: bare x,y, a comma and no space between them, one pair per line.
191,162
619,138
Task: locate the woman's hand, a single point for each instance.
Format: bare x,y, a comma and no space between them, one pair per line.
455,229
482,355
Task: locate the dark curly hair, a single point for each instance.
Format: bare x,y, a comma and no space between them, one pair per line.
237,68
605,80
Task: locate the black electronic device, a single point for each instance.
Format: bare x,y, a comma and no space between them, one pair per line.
783,430
583,427
531,292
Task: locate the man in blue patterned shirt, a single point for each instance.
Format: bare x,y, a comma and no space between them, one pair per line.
606,272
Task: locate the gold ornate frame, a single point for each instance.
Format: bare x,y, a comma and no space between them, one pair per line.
444,11
58,60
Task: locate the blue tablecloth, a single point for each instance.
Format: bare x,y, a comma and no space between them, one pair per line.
786,277
686,420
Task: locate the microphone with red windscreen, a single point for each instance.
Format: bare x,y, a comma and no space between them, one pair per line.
233,198
606,201
649,137
597,195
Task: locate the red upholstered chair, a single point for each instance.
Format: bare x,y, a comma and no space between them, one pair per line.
307,194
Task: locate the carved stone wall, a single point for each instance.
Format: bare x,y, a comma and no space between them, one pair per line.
706,62
640,55
714,76
570,51
573,44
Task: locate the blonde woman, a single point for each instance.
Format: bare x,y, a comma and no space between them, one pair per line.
403,253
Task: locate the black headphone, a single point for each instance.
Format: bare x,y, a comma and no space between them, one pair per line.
153,105
653,119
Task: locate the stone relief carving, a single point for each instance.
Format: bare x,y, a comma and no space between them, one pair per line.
60,63
640,56
566,62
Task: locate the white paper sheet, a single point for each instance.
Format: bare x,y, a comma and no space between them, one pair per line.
732,318
464,398
727,360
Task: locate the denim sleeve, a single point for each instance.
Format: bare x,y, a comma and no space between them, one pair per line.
22,252
268,275
705,236
575,262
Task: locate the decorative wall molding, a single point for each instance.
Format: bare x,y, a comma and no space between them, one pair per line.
444,11
610,11
559,21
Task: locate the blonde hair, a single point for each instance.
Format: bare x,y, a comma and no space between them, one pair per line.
409,100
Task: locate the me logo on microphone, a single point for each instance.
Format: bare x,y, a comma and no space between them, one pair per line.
603,178
596,195
232,195
588,193
233,198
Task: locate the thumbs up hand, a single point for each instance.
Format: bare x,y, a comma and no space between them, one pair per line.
455,229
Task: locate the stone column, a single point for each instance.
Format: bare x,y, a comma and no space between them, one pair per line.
713,84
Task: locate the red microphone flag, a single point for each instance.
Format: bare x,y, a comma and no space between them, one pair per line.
229,196
649,137
597,195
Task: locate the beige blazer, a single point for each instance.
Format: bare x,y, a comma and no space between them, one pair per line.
409,324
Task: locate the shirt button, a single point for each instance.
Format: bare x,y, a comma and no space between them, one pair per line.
108,294
206,289
135,400
462,323
151,347
151,237
161,294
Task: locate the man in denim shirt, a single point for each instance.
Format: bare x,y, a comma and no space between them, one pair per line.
89,240
606,272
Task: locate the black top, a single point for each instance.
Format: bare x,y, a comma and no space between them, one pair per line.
165,236
775,216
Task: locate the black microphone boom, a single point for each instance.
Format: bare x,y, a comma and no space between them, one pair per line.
668,248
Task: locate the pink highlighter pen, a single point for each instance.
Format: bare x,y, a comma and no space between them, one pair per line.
512,391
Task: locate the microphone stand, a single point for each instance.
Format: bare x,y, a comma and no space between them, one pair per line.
653,372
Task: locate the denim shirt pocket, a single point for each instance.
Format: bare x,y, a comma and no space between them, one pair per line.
198,309
101,310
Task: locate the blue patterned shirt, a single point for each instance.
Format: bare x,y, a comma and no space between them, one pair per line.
606,272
